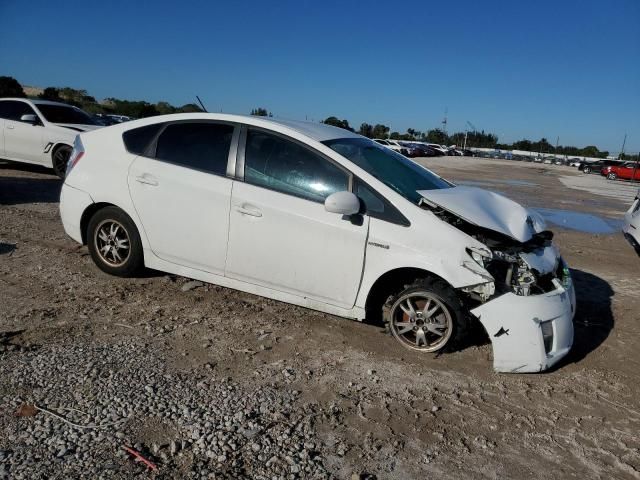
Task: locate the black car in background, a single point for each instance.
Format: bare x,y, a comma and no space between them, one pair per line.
420,150
597,166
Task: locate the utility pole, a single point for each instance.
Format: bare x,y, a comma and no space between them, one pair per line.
466,132
624,142
444,121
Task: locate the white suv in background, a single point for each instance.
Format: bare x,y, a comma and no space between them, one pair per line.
40,132
317,216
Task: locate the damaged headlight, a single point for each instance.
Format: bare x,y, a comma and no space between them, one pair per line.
480,256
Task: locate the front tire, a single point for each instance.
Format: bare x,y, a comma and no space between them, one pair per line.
586,169
114,243
612,176
59,159
426,316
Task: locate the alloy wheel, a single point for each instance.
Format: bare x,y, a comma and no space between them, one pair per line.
60,158
421,321
112,243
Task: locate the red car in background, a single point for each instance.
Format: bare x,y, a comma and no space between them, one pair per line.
626,171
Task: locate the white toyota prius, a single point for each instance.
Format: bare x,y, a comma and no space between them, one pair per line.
320,217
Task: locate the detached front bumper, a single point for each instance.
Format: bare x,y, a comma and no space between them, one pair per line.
530,333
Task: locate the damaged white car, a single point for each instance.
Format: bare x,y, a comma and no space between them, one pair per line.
320,217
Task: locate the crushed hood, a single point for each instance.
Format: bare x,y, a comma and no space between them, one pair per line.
488,210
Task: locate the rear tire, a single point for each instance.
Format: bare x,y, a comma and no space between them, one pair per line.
427,316
586,169
114,243
59,158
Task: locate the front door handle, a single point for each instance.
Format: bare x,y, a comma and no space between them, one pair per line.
249,210
10,127
147,180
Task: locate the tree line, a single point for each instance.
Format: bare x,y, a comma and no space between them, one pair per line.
9,87
477,139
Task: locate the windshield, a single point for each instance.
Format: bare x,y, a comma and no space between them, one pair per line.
394,170
64,114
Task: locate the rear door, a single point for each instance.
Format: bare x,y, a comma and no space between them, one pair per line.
22,141
280,234
181,192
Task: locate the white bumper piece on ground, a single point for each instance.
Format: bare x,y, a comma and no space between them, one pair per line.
518,325
73,203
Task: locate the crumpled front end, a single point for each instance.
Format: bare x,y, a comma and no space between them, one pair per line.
530,333
526,301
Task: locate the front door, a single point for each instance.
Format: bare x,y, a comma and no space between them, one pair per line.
22,141
281,236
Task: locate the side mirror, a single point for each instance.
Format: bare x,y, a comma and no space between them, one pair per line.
344,203
29,118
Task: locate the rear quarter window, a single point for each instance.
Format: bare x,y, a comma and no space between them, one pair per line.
137,140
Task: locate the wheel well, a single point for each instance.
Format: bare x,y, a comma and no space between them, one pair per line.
89,212
57,146
388,284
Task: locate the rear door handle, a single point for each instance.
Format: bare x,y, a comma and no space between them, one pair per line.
10,127
249,210
147,180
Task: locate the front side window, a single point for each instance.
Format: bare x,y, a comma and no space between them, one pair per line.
200,146
65,114
13,110
394,170
287,167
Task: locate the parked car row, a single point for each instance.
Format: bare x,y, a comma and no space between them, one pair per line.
414,148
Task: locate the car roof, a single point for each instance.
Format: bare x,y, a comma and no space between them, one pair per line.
316,131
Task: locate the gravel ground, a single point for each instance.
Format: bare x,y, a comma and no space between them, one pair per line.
207,382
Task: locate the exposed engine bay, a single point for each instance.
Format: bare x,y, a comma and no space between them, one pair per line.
524,268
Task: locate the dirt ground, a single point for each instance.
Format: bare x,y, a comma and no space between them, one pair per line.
398,414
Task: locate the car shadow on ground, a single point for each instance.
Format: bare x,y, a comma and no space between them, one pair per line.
594,316
18,190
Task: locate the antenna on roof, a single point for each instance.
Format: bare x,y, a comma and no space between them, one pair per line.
201,104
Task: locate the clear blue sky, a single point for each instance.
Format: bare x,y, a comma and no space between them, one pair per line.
567,68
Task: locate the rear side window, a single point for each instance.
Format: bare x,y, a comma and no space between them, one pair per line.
200,146
138,139
13,110
284,166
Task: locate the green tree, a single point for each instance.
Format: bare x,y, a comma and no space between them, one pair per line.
50,93
261,112
9,87
191,108
165,108
366,130
380,131
437,136
414,134
336,122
